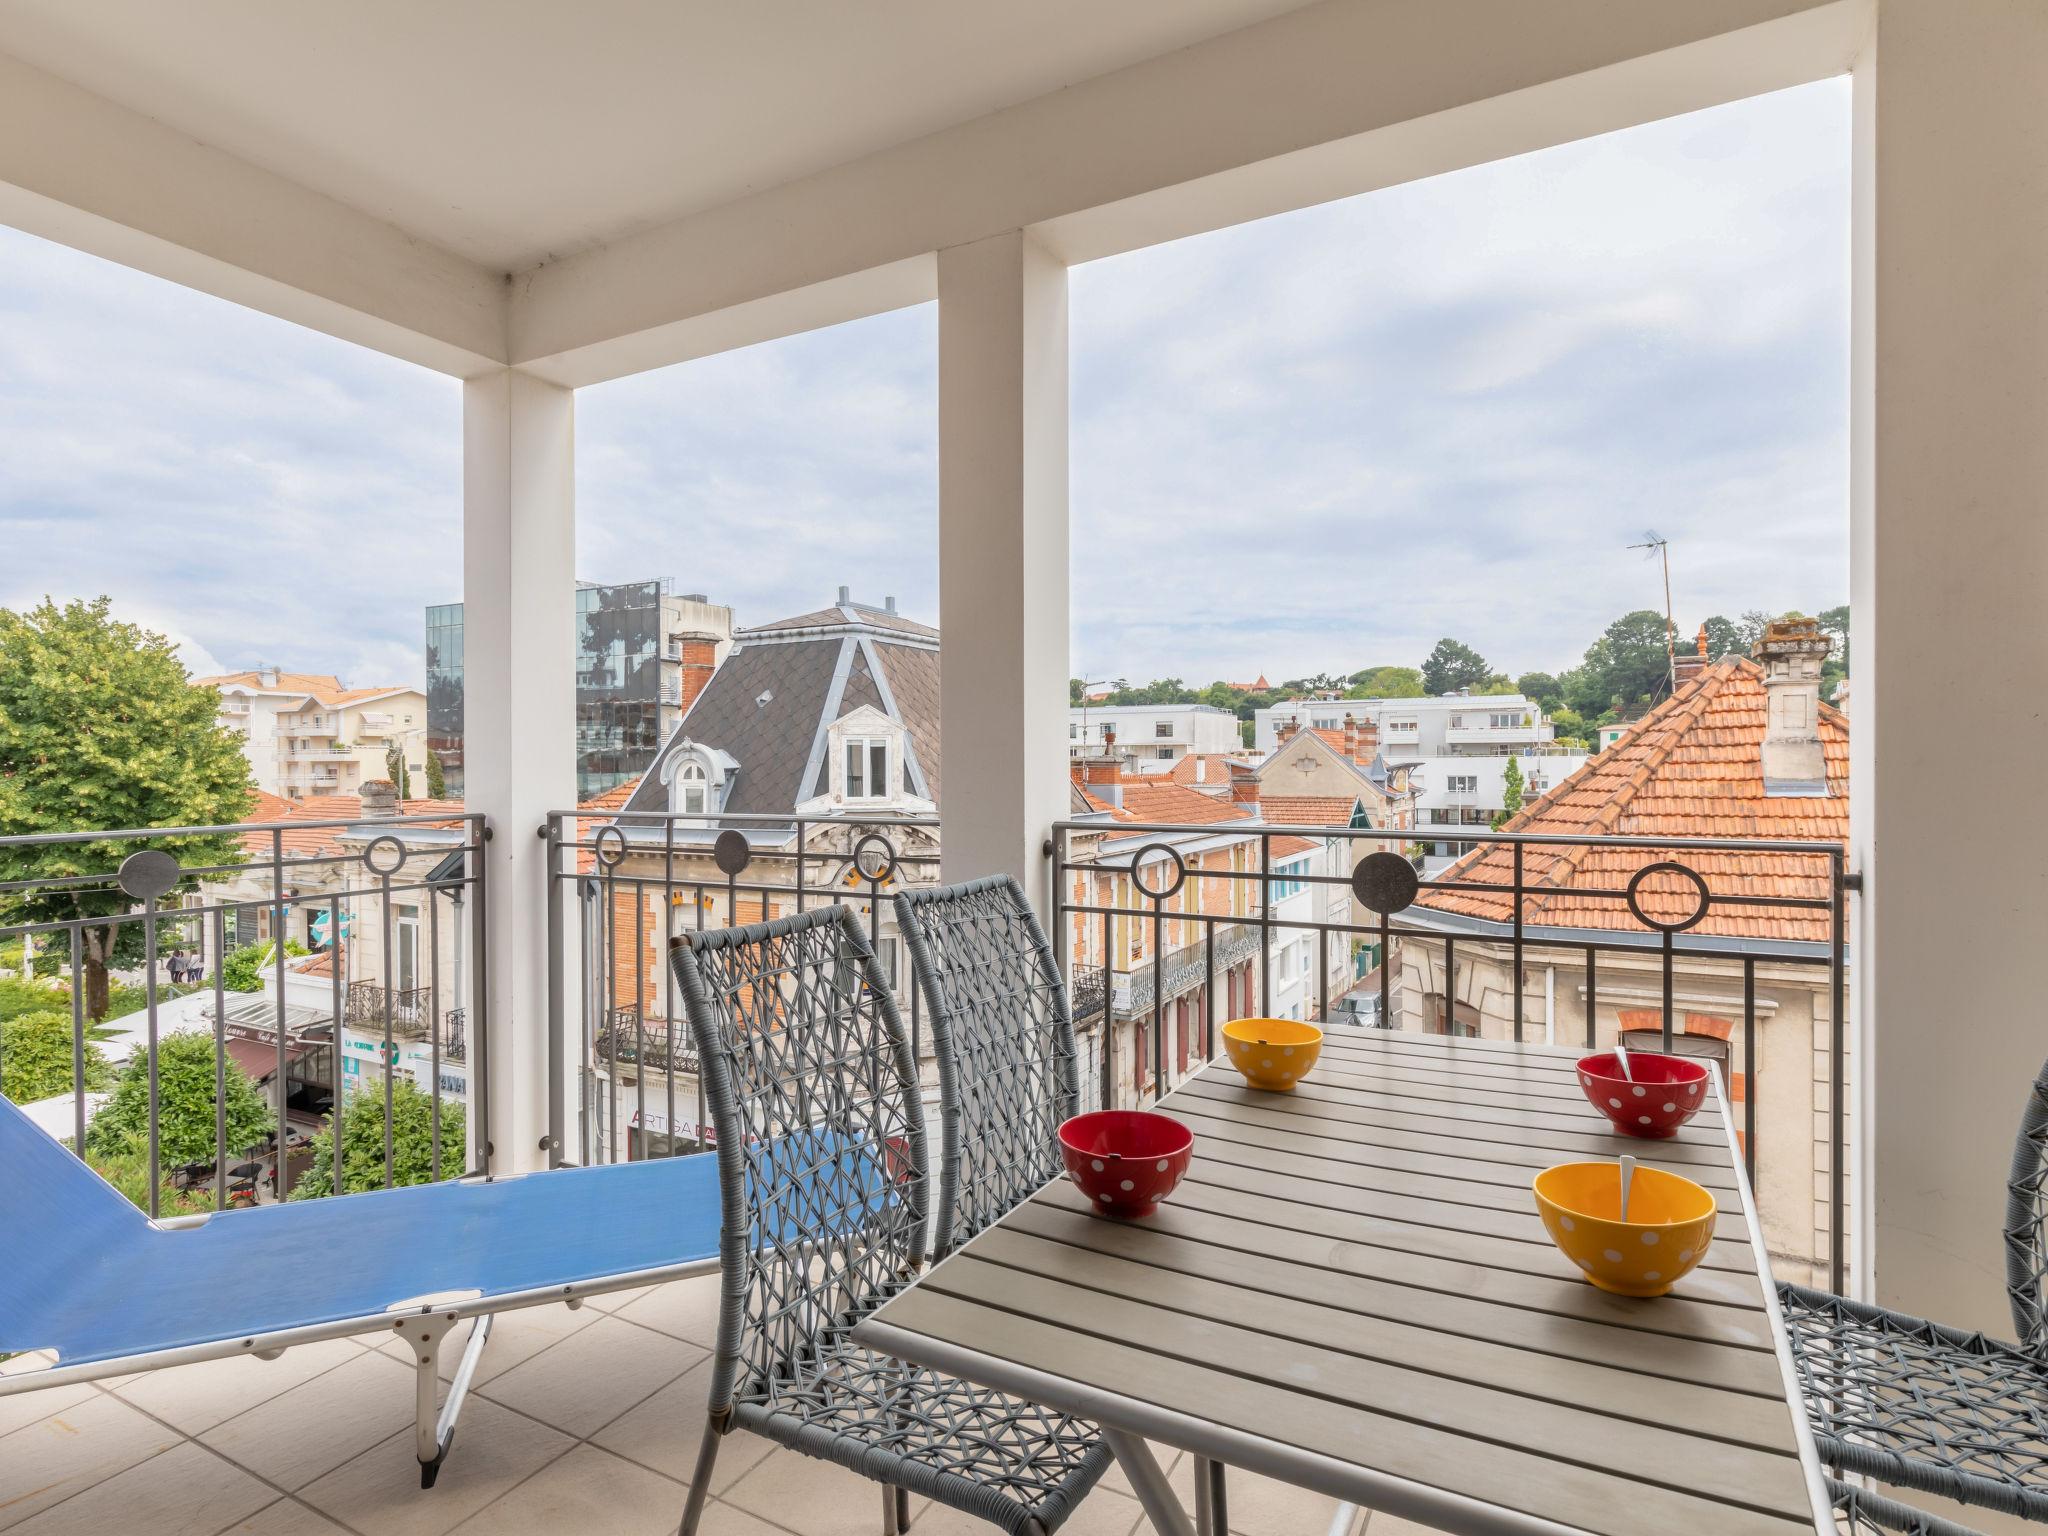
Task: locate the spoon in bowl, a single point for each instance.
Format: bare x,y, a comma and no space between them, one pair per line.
1621,1060
1628,1172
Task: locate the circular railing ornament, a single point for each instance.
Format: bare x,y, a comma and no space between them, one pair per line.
865,863
1178,864
1668,867
149,873
384,846
608,846
1384,882
732,853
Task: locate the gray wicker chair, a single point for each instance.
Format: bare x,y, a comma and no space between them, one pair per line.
1859,1512
1004,1042
822,1169
1925,1406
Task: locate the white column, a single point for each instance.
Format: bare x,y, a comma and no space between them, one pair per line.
1950,563
519,705
1002,555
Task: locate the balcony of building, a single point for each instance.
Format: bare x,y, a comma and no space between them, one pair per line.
529,241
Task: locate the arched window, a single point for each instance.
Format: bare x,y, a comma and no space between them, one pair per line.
694,788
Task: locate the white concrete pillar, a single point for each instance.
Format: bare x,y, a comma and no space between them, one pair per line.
1002,555
1949,567
519,705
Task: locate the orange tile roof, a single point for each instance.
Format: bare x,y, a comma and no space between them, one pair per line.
1203,768
1091,802
1309,810
1282,846
1166,801
613,799
1368,741
1691,767
322,842
321,685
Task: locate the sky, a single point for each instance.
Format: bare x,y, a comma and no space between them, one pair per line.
1314,443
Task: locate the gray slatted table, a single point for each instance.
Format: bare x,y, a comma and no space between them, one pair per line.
1351,1291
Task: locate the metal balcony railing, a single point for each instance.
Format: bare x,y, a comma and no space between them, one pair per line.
1426,966
138,896
621,884
404,1013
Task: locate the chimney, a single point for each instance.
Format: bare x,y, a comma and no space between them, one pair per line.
1286,731
888,605
380,800
267,676
1350,737
1108,735
1790,652
1102,774
698,654
1690,667
1244,785
845,596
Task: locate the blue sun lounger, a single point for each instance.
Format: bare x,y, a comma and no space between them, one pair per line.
96,1288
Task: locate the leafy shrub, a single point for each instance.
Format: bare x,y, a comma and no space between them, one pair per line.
129,1173
185,1071
35,1057
362,1136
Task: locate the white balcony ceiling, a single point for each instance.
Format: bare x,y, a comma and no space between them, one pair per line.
515,131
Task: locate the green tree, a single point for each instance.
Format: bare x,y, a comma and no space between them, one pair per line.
1453,665
100,728
185,1075
394,770
1625,668
437,783
1543,688
1385,683
362,1152
1511,794
35,1057
1724,638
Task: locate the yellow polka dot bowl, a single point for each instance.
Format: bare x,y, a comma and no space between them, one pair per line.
1273,1054
1670,1222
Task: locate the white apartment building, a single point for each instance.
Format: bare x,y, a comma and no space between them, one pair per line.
1298,958
1155,735
1458,797
1449,725
304,734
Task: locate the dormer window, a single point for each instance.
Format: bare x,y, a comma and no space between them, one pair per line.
693,789
867,768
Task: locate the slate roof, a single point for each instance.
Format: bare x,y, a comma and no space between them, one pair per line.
1691,767
768,704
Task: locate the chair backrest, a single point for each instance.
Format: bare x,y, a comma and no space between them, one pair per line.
1004,1039
2026,1213
821,1145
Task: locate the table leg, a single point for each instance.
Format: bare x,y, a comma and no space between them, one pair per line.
1212,1509
1149,1483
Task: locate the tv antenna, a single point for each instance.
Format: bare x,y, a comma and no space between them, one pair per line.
1660,548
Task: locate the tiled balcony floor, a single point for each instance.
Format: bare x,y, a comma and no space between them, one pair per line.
580,1424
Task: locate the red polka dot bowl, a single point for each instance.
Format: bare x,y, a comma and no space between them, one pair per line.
1659,1095
1126,1160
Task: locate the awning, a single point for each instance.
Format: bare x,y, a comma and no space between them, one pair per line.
258,1058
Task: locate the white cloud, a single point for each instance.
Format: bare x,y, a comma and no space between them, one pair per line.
1318,441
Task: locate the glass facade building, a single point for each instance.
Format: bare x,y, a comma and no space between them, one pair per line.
444,693
621,684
